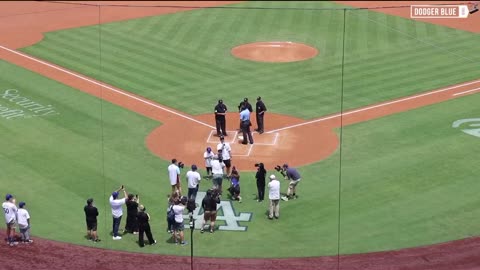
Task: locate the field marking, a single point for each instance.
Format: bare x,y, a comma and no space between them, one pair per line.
107,87
272,143
247,154
465,92
374,106
229,132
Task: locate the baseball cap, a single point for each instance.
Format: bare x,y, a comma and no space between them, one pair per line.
220,101
194,167
8,197
21,204
245,99
272,176
209,149
114,194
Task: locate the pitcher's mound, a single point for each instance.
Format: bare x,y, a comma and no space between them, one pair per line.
274,51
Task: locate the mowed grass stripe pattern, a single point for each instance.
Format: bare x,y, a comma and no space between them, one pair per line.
183,60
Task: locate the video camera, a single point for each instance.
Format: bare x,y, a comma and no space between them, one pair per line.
281,170
181,165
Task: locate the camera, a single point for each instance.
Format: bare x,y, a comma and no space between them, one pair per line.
278,168
181,165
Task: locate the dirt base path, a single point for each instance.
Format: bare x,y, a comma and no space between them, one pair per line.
285,134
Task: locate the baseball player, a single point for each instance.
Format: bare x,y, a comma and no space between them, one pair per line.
10,210
24,222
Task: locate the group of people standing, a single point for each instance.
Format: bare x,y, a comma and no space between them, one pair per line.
245,109
16,215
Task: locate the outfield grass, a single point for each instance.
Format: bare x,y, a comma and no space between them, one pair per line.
406,179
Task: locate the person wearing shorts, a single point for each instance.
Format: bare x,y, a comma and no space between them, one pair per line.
91,214
294,176
217,171
10,211
174,176
178,226
209,205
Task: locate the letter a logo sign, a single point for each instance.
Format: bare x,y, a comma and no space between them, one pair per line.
474,131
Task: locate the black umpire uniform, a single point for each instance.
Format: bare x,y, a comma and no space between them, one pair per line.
260,110
220,119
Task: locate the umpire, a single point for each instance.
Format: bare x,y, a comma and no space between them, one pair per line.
240,108
245,125
220,120
260,110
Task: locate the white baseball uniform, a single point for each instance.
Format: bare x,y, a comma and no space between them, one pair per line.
23,218
10,210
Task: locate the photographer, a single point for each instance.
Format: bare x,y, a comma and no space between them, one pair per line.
294,176
209,205
260,176
174,176
117,211
132,209
234,188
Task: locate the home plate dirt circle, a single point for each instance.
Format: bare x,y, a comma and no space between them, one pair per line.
275,51
299,146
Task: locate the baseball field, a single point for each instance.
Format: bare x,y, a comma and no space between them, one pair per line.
382,123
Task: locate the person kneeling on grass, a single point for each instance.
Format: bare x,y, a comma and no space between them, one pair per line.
143,219
234,188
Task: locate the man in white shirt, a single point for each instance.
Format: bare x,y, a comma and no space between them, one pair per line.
217,171
193,179
226,152
117,210
208,156
178,226
10,210
274,196
24,222
174,176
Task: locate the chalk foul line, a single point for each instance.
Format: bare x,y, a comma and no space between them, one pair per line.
380,105
121,92
145,101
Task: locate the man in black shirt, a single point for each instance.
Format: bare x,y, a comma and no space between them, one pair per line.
260,110
220,121
132,208
144,227
91,214
209,205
